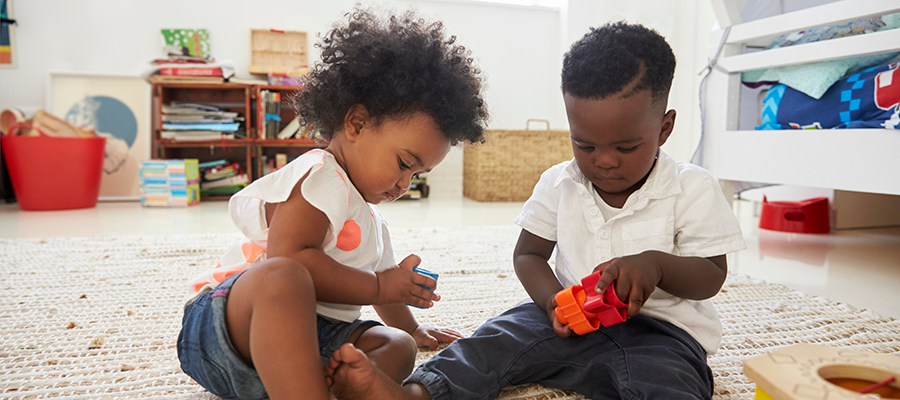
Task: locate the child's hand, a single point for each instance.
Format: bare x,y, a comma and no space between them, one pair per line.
432,338
561,330
636,277
399,285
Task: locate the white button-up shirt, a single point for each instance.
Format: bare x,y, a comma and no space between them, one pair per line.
680,210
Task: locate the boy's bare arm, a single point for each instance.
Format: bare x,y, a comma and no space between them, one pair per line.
297,230
637,275
694,278
530,261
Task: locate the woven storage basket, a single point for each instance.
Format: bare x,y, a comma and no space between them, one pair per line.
510,162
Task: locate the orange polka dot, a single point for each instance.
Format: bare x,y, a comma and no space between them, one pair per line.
218,265
198,286
350,236
251,251
223,275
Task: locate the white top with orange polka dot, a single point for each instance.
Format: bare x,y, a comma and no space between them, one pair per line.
357,236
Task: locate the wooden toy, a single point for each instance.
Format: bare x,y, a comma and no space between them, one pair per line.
10,117
584,310
806,371
55,126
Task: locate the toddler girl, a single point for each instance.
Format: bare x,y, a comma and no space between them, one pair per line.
391,97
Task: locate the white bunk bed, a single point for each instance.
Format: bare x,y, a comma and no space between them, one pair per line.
859,160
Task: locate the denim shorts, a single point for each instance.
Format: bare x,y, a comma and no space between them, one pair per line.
208,356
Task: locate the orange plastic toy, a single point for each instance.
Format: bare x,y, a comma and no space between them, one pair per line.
584,310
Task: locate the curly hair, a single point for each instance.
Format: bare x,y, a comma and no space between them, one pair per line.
393,68
608,59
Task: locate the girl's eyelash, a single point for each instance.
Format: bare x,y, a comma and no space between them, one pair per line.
402,164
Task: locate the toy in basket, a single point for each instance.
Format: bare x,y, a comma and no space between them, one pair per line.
510,162
806,371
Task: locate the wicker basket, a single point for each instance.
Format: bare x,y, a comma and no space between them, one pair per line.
508,165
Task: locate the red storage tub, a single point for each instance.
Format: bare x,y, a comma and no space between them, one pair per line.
806,216
54,173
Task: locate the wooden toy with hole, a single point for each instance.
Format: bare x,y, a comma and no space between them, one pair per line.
806,371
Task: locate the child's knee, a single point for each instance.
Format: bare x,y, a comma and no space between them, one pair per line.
390,339
282,275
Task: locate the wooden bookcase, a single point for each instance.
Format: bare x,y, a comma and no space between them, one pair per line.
241,98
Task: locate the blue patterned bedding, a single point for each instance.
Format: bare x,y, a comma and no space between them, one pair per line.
867,99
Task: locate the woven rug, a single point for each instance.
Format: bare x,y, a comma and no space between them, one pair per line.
94,318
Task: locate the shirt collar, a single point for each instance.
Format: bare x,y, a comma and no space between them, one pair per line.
662,182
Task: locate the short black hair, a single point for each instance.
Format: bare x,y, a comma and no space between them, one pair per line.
609,58
393,67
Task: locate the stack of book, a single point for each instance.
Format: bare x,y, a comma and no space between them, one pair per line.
192,122
188,59
221,178
272,106
168,183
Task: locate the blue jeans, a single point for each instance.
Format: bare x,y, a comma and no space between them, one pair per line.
208,356
643,358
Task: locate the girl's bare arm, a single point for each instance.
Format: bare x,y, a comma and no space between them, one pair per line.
297,230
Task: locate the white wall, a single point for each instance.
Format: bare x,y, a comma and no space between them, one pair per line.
686,25
519,49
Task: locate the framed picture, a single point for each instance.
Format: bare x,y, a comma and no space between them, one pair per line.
116,107
7,35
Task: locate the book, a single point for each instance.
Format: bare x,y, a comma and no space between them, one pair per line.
210,164
166,183
246,81
273,113
229,181
290,129
186,79
225,127
195,110
188,136
186,42
223,171
207,71
222,191
200,120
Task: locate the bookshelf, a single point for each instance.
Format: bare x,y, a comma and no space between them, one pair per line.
249,147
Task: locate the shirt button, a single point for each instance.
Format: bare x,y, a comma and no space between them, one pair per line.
594,211
604,235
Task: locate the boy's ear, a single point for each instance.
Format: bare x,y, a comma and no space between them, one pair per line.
665,129
355,120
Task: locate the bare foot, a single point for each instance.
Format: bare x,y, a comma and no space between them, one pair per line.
354,377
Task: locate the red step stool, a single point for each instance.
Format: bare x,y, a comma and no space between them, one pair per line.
806,216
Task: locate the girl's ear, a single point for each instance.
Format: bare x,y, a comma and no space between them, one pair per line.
355,120
665,129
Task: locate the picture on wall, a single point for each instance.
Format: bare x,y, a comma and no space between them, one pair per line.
116,107
7,35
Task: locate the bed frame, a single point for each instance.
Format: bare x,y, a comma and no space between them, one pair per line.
860,160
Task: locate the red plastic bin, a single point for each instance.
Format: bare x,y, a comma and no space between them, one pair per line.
806,216
54,173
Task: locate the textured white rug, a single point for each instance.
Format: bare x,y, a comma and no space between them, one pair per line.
91,318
